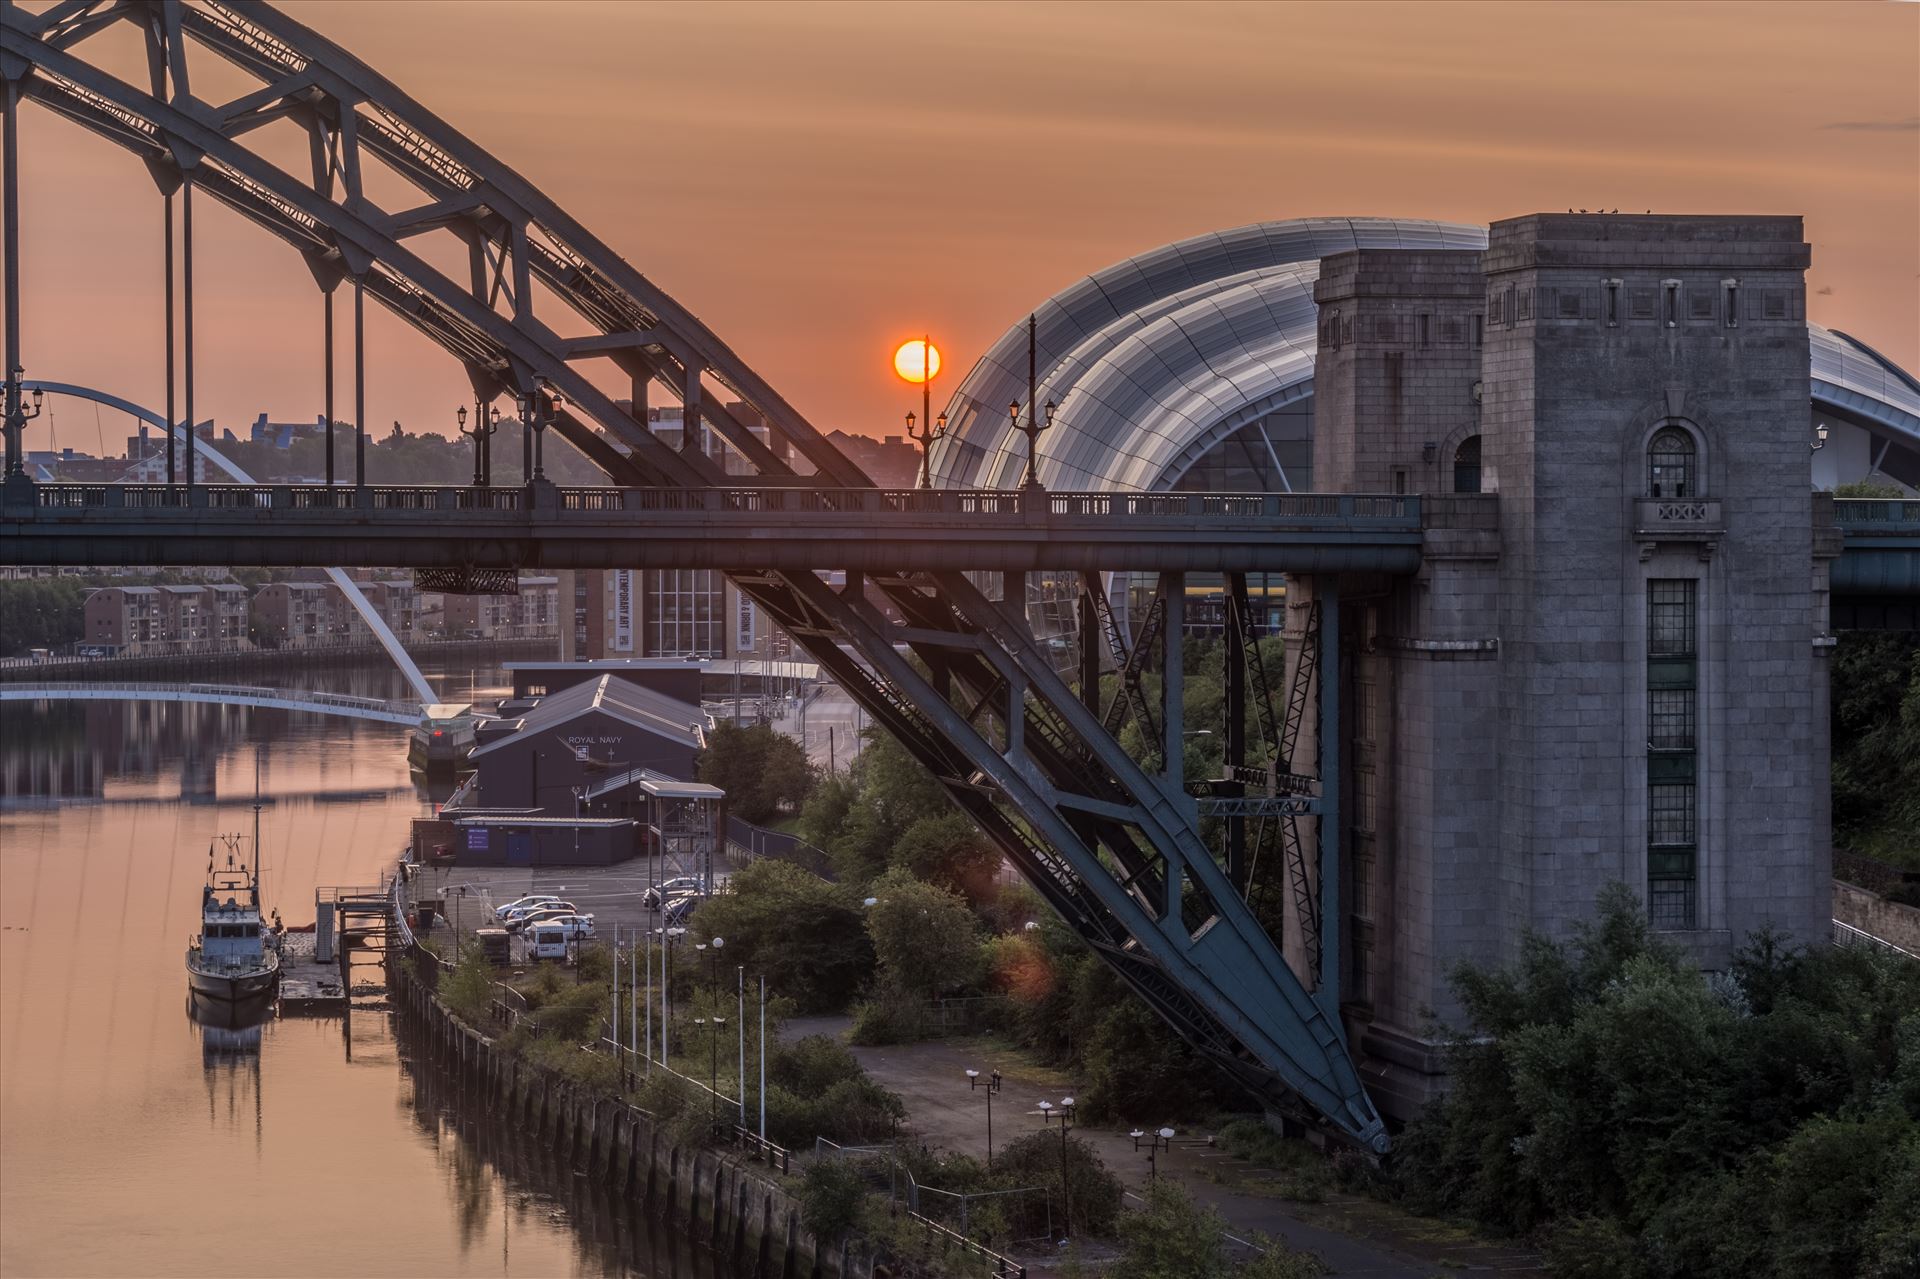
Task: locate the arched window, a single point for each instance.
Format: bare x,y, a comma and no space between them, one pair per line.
1466,466
1671,462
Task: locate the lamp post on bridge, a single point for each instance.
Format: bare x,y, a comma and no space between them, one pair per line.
919,361
18,415
537,412
1034,424
486,421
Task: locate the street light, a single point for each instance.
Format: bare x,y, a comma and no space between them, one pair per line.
1816,446
486,420
992,1085
18,415
919,361
1033,426
713,1069
1065,1110
1155,1140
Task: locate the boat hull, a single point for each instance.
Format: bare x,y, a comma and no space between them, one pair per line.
233,987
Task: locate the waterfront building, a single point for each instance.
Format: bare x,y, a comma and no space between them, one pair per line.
530,613
136,620
306,615
545,758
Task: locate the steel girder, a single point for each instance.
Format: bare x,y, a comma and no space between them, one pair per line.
516,234
1114,849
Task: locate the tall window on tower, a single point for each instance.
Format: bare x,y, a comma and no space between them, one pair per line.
1671,464
1466,466
1672,779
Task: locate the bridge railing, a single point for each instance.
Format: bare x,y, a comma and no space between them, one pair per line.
212,692
1878,513
999,504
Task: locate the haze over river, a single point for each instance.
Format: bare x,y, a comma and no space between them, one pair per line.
134,1141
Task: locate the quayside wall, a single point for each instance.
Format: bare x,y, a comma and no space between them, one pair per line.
713,1199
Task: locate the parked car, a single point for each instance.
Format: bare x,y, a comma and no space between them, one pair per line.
521,914
541,918
683,886
677,909
547,943
512,907
575,927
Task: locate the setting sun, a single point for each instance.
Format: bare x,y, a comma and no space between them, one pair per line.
917,361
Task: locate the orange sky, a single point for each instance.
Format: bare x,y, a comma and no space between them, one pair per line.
817,182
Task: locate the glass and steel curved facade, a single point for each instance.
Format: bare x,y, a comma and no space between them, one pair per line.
1192,367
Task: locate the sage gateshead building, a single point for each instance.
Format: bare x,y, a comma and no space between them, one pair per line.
1190,368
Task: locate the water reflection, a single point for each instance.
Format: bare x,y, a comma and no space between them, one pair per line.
230,1037
491,1166
120,1107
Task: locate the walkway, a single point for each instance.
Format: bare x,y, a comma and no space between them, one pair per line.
1358,1238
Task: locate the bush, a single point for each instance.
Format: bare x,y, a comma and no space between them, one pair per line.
762,771
831,1193
924,937
1173,1234
815,1088
1616,1100
891,1016
780,919
468,989
1034,1160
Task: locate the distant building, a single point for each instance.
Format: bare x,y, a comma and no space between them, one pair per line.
533,613
891,462
306,615
693,613
150,619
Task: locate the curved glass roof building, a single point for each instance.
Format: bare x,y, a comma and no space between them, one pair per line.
1191,367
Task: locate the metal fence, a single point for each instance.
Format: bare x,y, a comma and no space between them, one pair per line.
1847,935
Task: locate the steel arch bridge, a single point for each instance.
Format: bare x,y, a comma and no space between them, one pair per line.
1028,753
378,710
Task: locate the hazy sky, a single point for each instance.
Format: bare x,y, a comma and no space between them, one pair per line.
820,181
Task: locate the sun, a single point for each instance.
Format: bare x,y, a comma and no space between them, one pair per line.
917,361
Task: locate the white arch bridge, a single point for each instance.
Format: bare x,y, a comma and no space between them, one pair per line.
380,710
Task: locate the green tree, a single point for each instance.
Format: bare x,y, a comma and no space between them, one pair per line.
41,613
802,929
762,771
1172,1234
923,935
949,850
1875,728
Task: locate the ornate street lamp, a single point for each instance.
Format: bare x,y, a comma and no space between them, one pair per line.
919,361
992,1085
485,422
1034,425
18,415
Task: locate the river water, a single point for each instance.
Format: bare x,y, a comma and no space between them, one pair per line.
134,1141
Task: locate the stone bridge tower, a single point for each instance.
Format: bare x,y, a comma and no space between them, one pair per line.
1612,666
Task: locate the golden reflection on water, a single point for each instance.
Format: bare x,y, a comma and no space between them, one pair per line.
135,1140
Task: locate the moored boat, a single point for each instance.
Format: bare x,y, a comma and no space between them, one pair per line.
236,957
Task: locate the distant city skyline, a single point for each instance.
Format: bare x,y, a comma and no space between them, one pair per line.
821,182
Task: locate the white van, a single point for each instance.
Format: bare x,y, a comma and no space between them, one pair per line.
548,943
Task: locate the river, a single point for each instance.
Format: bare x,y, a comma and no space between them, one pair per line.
134,1141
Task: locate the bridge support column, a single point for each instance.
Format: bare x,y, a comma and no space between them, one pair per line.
1173,684
1327,592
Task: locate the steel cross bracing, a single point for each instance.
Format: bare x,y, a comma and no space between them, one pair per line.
1115,849
515,235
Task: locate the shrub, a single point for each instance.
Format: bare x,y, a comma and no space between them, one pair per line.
468,989
831,1193
891,1016
1034,1160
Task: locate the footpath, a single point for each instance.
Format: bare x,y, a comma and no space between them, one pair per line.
1357,1237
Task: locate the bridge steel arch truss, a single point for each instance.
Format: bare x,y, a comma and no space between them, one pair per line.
1114,848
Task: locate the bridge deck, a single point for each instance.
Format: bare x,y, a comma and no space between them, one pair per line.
724,528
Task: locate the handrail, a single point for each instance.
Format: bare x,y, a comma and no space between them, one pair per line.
216,692
1877,511
1845,934
997,504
